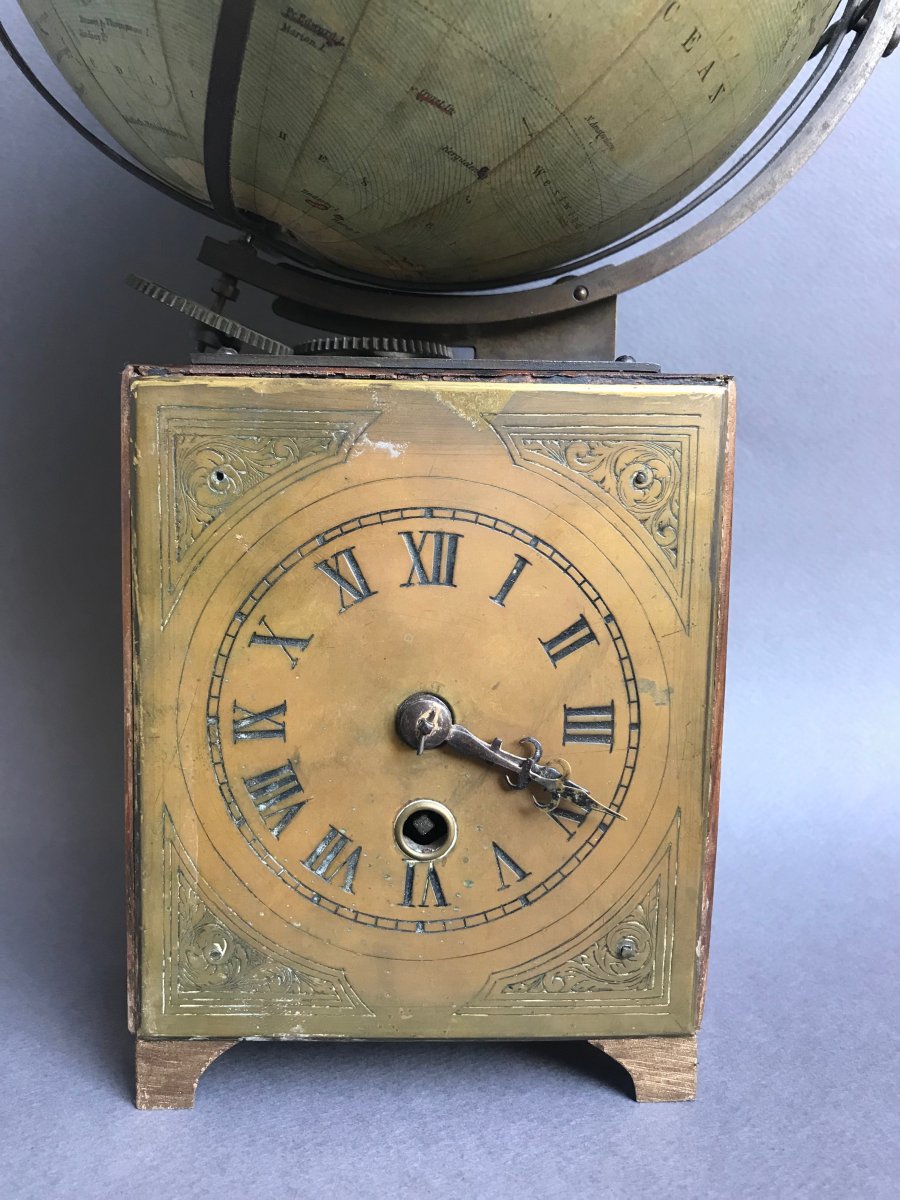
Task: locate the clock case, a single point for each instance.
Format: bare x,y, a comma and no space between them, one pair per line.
661,1067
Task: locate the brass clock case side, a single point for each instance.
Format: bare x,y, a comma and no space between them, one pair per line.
131,818
717,699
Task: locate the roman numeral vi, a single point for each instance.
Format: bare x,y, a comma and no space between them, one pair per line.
432,884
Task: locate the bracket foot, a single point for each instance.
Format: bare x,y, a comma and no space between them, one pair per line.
661,1068
167,1070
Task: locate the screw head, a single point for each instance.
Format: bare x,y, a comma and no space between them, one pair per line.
581,292
626,948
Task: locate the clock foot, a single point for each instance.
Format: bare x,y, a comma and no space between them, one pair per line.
167,1070
661,1068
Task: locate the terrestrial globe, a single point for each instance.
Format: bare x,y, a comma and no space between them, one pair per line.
439,141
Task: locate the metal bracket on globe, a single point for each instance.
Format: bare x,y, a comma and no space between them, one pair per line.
569,308
306,292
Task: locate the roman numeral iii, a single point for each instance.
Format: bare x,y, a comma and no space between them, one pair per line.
441,560
343,569
578,634
272,792
595,724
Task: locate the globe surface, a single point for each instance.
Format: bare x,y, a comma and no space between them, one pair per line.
444,141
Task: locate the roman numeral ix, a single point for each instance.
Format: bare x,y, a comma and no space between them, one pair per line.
442,563
272,792
247,725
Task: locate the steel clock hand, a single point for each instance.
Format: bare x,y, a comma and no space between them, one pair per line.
425,722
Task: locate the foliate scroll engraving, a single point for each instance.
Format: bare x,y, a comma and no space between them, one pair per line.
218,466
621,962
211,473
213,963
638,470
644,477
212,958
622,958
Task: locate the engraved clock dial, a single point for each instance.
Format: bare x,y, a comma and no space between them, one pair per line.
328,642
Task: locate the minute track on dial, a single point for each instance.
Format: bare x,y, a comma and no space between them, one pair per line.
425,722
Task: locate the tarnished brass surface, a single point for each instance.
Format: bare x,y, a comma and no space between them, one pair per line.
307,553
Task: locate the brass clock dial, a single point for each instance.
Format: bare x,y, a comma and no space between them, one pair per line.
426,594
424,688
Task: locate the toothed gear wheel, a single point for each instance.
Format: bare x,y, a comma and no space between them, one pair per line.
374,347
206,316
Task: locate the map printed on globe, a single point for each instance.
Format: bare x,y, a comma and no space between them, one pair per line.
454,140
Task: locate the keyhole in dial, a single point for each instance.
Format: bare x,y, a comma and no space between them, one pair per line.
425,829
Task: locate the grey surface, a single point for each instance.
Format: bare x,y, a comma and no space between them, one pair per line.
799,1053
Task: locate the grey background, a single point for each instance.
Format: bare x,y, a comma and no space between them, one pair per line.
799,1056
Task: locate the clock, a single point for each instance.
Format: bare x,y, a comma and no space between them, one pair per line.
424,679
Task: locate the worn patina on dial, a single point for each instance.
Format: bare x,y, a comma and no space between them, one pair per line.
319,808
424,688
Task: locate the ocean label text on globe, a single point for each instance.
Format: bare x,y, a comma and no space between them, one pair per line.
449,140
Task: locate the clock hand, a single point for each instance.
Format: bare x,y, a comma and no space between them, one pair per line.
425,722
